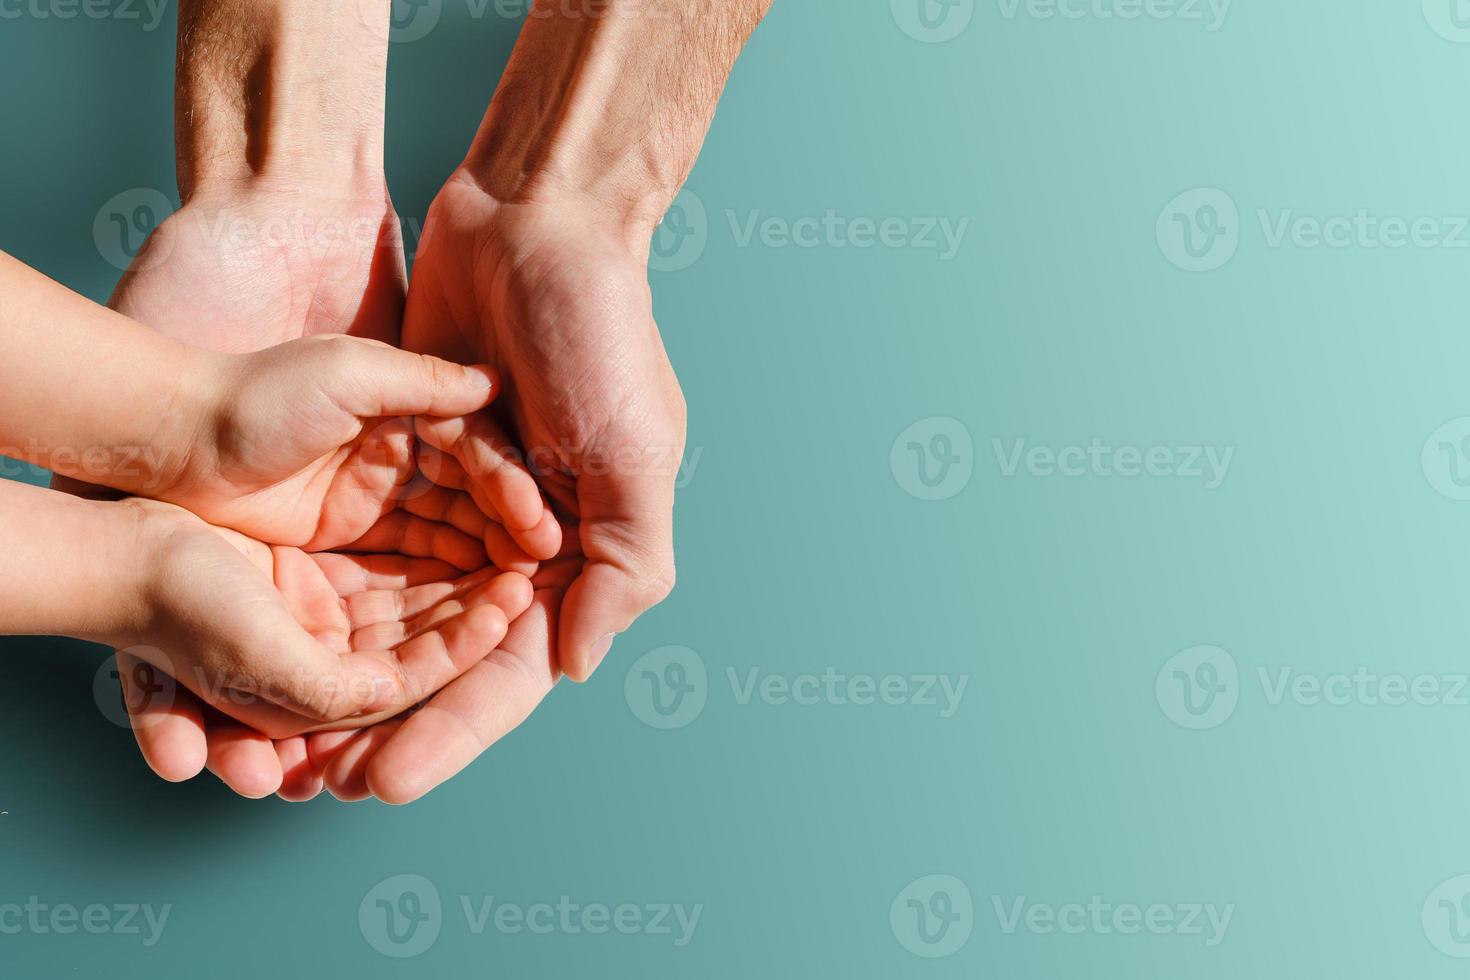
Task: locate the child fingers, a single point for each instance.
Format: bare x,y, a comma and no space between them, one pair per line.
468,716
351,574
394,605
439,654
505,554
511,593
407,534
242,758
490,462
167,721
440,467
544,539
444,506
300,780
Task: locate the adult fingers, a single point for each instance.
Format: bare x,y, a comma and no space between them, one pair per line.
627,536
502,487
346,775
472,713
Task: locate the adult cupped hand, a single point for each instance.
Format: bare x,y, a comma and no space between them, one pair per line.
558,299
253,288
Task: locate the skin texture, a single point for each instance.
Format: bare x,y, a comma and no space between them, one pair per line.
534,258
257,630
275,443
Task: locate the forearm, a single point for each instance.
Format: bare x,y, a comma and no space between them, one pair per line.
72,566
281,89
610,101
89,393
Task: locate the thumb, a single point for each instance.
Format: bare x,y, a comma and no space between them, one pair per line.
627,535
281,663
383,380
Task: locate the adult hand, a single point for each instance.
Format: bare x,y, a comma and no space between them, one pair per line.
534,257
560,302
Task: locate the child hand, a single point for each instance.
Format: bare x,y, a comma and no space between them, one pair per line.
260,632
306,444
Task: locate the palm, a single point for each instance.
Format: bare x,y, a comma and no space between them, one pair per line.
566,314
409,610
347,603
266,267
322,479
234,294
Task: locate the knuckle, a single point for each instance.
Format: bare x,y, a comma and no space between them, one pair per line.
656,582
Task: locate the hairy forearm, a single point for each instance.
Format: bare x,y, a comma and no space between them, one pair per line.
73,567
610,100
280,89
89,393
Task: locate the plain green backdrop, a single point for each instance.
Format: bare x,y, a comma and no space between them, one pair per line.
1133,189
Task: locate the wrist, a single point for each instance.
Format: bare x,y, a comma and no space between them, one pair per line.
186,442
124,537
608,104
279,91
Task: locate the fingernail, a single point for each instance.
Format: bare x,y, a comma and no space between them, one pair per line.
599,652
483,375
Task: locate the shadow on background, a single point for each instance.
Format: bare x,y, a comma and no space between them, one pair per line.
57,717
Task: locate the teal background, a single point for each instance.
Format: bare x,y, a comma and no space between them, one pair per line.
1061,319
